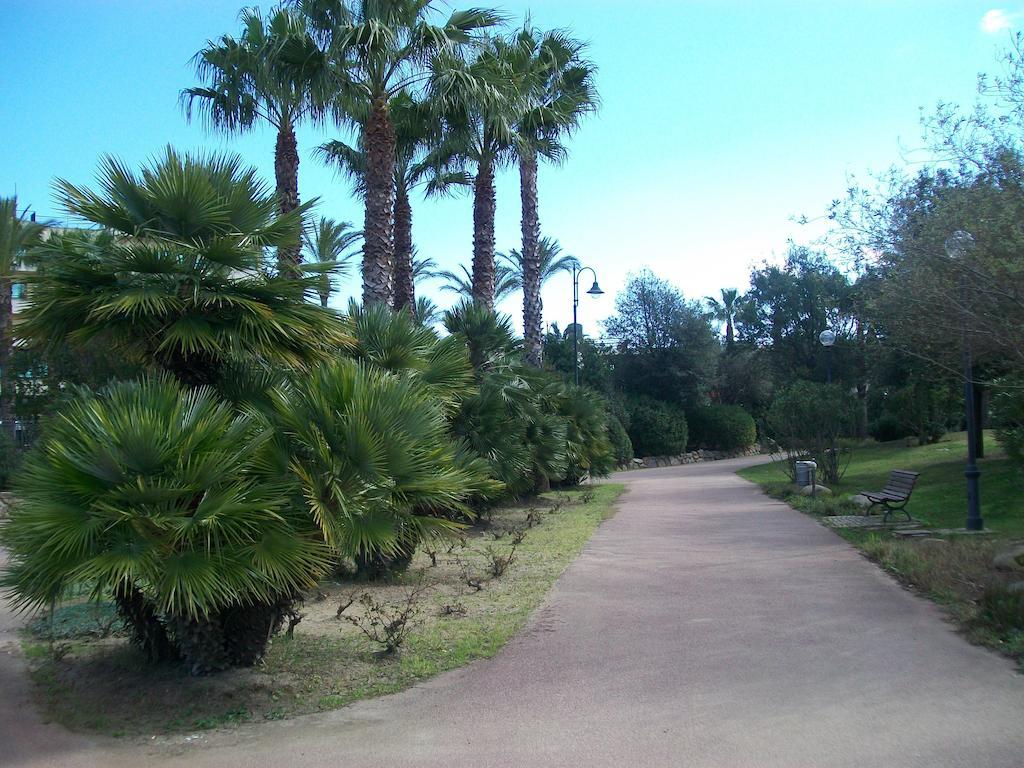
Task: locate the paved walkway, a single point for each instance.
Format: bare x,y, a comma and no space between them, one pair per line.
703,626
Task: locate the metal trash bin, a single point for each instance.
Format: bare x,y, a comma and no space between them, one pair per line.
805,472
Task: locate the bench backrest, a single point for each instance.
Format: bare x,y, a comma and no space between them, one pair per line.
901,482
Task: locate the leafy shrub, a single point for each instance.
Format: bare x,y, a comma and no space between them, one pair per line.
888,427
656,428
721,428
808,421
622,447
922,409
151,493
1008,417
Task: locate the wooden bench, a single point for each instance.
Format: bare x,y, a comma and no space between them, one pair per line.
895,495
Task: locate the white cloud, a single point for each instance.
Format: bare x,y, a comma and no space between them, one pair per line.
995,21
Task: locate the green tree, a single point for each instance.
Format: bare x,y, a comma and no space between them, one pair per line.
18,233
787,307
555,81
273,72
329,243
384,49
180,278
724,311
666,347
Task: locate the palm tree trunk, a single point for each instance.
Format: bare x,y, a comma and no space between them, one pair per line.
484,204
379,222
730,333
6,342
533,306
286,173
405,290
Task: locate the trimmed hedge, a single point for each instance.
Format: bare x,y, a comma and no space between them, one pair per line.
656,428
721,428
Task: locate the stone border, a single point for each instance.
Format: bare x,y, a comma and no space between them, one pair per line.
693,457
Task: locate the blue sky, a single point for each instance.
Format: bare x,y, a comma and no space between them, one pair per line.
721,121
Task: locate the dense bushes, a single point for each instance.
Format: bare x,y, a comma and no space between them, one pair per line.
721,428
656,428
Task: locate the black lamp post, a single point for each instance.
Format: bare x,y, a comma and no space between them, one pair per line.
595,290
828,340
958,245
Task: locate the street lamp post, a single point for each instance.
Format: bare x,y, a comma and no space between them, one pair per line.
958,245
828,340
595,290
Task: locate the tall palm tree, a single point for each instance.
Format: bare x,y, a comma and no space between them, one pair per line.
383,49
550,258
461,283
480,136
274,72
328,243
724,311
17,234
415,128
556,82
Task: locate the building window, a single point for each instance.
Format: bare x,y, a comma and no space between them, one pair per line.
18,291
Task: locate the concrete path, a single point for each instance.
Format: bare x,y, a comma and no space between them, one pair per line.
705,625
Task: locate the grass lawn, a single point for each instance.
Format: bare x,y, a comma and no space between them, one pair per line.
940,498
955,571
101,684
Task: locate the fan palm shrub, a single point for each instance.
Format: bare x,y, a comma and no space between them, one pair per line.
524,422
273,72
151,493
181,278
393,342
372,460
384,49
589,451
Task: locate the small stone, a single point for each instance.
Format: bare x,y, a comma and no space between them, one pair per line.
817,490
861,500
638,462
674,461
